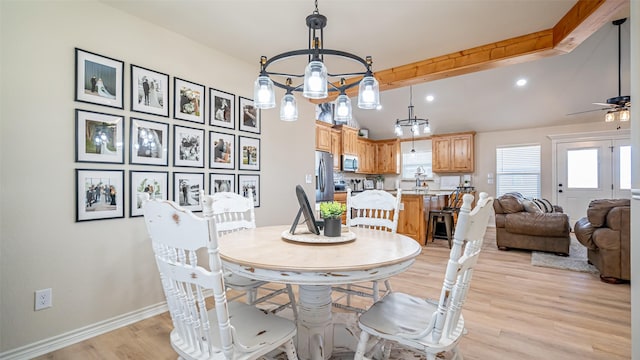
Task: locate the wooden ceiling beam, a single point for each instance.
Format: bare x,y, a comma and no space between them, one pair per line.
580,22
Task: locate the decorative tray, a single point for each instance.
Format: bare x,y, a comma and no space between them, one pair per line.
307,237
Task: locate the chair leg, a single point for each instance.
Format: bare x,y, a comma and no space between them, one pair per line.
376,291
292,300
362,344
251,296
291,350
448,227
387,284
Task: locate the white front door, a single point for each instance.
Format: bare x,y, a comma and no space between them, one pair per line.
588,170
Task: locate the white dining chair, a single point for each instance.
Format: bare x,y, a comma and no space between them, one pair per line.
234,212
229,330
432,327
372,209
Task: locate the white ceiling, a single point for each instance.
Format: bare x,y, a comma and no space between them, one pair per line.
403,31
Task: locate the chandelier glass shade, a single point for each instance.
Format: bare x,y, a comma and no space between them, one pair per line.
317,82
412,122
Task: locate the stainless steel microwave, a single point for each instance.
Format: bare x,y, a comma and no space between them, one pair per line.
349,163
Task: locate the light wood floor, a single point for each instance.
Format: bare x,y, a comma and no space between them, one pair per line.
514,311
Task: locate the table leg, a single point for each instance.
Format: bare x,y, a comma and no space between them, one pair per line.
315,327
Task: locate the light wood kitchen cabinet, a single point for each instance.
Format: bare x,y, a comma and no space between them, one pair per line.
453,153
366,156
336,148
411,221
323,136
387,157
349,140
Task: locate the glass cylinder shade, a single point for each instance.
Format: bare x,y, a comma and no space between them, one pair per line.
288,108
343,108
625,115
427,128
315,80
611,116
263,95
398,130
368,93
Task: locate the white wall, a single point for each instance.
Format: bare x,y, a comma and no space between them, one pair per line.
99,269
635,181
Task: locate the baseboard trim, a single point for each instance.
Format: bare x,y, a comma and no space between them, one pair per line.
72,337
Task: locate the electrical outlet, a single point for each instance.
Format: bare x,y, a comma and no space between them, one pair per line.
43,299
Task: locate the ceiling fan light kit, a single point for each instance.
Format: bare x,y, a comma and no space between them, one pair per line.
619,104
316,78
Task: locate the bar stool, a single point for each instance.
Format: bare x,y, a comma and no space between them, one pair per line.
446,216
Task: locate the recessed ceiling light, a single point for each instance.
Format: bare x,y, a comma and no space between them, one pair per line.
521,82
379,107
430,98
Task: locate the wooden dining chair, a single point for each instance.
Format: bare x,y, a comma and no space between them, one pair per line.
372,209
427,326
229,330
234,212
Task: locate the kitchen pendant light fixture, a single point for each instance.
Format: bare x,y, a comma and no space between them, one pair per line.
317,83
412,121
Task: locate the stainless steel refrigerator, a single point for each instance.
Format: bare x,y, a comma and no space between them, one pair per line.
324,176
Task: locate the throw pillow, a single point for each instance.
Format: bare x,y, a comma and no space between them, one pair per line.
531,207
544,204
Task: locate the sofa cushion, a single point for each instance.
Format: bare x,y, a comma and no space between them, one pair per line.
510,204
531,207
539,224
598,210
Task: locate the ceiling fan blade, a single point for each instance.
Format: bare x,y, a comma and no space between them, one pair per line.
604,104
586,111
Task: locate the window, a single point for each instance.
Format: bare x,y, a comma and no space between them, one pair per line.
518,170
411,160
625,167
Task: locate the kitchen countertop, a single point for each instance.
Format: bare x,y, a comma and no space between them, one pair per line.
407,192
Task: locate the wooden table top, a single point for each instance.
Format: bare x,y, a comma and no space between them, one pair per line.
264,248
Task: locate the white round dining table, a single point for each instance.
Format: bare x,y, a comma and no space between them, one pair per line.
264,254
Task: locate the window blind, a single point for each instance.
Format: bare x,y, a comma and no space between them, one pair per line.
518,170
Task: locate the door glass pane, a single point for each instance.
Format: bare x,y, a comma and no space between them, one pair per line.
625,167
582,168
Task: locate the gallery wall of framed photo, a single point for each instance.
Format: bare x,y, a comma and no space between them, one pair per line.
178,137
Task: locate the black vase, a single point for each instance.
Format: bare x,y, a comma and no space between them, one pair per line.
332,227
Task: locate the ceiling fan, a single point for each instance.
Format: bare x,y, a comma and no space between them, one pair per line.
617,106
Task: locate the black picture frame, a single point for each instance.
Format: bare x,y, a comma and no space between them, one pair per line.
188,146
149,142
188,101
152,98
99,79
248,153
246,181
222,156
222,109
99,194
219,182
249,117
186,190
154,184
99,137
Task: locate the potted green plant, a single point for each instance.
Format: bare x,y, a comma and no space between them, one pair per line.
331,212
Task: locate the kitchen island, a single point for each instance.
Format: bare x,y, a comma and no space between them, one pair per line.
414,210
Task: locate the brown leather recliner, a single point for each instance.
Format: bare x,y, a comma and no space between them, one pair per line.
606,232
521,224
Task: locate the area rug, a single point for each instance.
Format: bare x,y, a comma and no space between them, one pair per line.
576,261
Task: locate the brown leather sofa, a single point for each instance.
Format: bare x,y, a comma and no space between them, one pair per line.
606,232
521,224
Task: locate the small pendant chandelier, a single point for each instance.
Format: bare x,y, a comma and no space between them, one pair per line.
412,121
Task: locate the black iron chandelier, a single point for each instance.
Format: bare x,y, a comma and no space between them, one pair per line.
412,121
316,83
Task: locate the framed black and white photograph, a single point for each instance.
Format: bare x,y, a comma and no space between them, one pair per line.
222,183
246,182
99,79
186,190
324,112
147,185
222,150
99,194
188,146
149,143
149,91
222,109
188,101
248,153
249,117
99,137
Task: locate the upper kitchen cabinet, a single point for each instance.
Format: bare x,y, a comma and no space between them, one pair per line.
323,136
366,156
349,140
336,148
453,153
388,157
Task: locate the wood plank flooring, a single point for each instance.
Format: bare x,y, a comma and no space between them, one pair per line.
514,311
